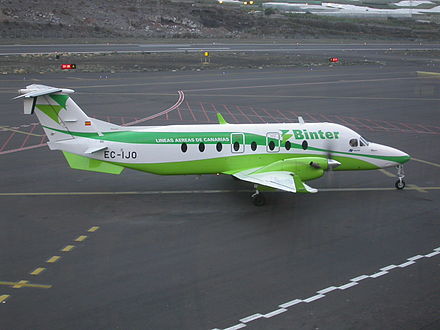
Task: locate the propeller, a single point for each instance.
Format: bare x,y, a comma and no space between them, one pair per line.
332,163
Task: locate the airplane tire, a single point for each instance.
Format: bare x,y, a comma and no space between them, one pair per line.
400,184
258,199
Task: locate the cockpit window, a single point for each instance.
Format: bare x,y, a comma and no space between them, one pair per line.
354,142
363,142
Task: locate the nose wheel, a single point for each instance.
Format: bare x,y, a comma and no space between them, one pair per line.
400,184
258,199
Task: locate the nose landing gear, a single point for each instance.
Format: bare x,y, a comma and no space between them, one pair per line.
400,184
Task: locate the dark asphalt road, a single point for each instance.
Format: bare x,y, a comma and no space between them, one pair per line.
207,259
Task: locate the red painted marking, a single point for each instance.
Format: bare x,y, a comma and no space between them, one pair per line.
312,117
190,110
229,111
346,122
368,127
27,137
270,116
204,111
256,114
243,114
22,149
282,114
173,107
7,141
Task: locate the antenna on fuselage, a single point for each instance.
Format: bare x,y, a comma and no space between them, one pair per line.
300,120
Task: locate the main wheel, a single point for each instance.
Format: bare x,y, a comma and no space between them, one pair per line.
258,199
400,184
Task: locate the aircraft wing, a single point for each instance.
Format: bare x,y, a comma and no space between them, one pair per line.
283,180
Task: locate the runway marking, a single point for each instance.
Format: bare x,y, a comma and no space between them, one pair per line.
14,129
330,82
259,95
387,173
243,322
19,284
426,162
179,192
413,186
93,229
80,238
22,149
53,259
68,248
3,298
25,284
38,271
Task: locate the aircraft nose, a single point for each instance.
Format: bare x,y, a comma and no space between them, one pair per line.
402,157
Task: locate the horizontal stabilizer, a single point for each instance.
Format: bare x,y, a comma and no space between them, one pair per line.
89,164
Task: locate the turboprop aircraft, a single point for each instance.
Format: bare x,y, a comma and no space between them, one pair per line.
271,156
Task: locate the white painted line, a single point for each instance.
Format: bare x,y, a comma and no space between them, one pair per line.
415,257
313,298
359,278
251,318
290,303
330,288
348,285
236,327
353,282
405,264
389,267
275,312
378,274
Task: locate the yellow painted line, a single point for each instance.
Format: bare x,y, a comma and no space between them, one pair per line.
25,284
430,74
38,271
426,162
93,229
19,284
17,131
53,259
387,173
3,298
80,238
68,248
413,186
181,192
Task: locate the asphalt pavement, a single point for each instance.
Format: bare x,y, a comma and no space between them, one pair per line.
83,250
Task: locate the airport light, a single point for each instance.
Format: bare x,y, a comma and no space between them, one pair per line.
333,60
68,66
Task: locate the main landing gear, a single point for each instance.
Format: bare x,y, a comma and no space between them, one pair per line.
400,184
258,198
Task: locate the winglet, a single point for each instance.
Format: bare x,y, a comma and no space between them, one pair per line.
220,119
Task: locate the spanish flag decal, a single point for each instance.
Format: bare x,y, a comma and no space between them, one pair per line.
88,123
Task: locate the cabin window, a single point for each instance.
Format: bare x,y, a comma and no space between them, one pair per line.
288,145
219,146
184,147
363,142
353,142
254,145
201,147
305,145
236,146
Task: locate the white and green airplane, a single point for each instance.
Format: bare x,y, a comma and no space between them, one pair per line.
271,156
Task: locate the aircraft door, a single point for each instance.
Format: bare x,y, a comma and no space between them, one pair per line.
237,142
273,142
